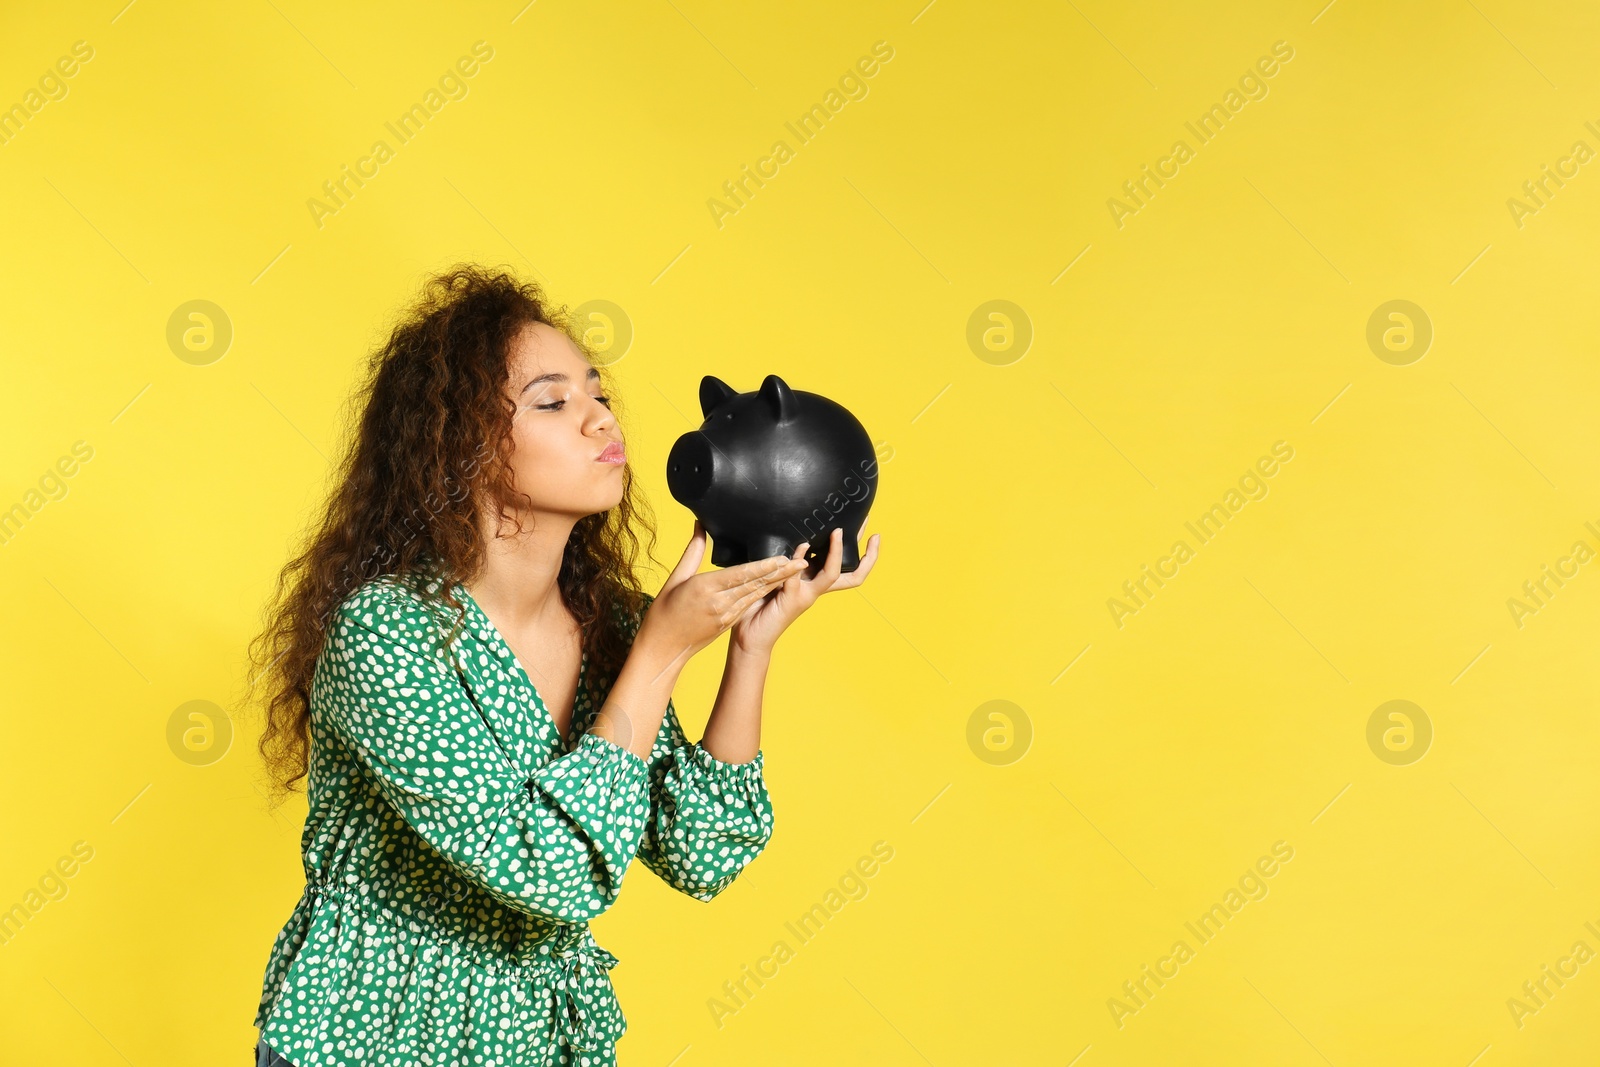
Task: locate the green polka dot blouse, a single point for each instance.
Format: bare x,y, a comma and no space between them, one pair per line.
456,847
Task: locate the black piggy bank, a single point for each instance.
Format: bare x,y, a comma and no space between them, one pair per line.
772,468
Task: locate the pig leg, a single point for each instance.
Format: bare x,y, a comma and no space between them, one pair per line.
850,553
763,545
727,553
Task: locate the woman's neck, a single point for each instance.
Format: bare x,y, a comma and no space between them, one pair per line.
518,584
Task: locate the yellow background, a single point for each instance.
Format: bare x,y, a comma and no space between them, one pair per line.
1015,498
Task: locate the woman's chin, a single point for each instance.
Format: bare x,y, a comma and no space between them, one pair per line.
608,501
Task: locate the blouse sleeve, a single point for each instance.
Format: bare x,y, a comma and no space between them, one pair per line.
708,819
554,843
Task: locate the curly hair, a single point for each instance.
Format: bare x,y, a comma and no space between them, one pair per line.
431,449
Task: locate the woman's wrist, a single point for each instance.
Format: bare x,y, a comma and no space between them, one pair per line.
749,654
656,656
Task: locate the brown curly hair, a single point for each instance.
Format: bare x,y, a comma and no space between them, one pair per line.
432,445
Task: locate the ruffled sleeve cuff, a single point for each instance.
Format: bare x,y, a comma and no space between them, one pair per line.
711,820
604,788
730,774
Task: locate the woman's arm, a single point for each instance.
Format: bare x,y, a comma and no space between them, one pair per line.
690,612
637,702
710,812
709,818
733,732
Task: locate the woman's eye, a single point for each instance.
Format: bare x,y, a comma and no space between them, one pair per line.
555,405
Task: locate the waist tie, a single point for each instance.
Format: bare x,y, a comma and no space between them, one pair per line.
587,1015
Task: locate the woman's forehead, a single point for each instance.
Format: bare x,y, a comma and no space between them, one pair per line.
542,349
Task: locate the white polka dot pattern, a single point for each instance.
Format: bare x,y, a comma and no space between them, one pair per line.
457,845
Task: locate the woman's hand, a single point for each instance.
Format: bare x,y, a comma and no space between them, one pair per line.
692,610
758,629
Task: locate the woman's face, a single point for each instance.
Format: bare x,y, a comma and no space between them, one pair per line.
562,428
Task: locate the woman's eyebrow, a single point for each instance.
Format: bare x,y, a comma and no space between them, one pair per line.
558,376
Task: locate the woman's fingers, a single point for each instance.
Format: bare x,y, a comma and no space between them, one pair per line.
759,570
760,577
800,552
690,561
758,591
781,574
863,568
869,559
814,585
830,569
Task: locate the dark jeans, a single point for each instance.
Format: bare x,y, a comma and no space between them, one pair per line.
266,1057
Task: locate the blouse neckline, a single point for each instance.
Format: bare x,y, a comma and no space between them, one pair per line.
486,630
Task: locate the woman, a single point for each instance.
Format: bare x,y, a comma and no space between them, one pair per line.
463,667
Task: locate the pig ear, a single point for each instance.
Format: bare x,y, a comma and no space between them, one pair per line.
713,391
779,397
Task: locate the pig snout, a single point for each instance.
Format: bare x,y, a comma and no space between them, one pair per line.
689,468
